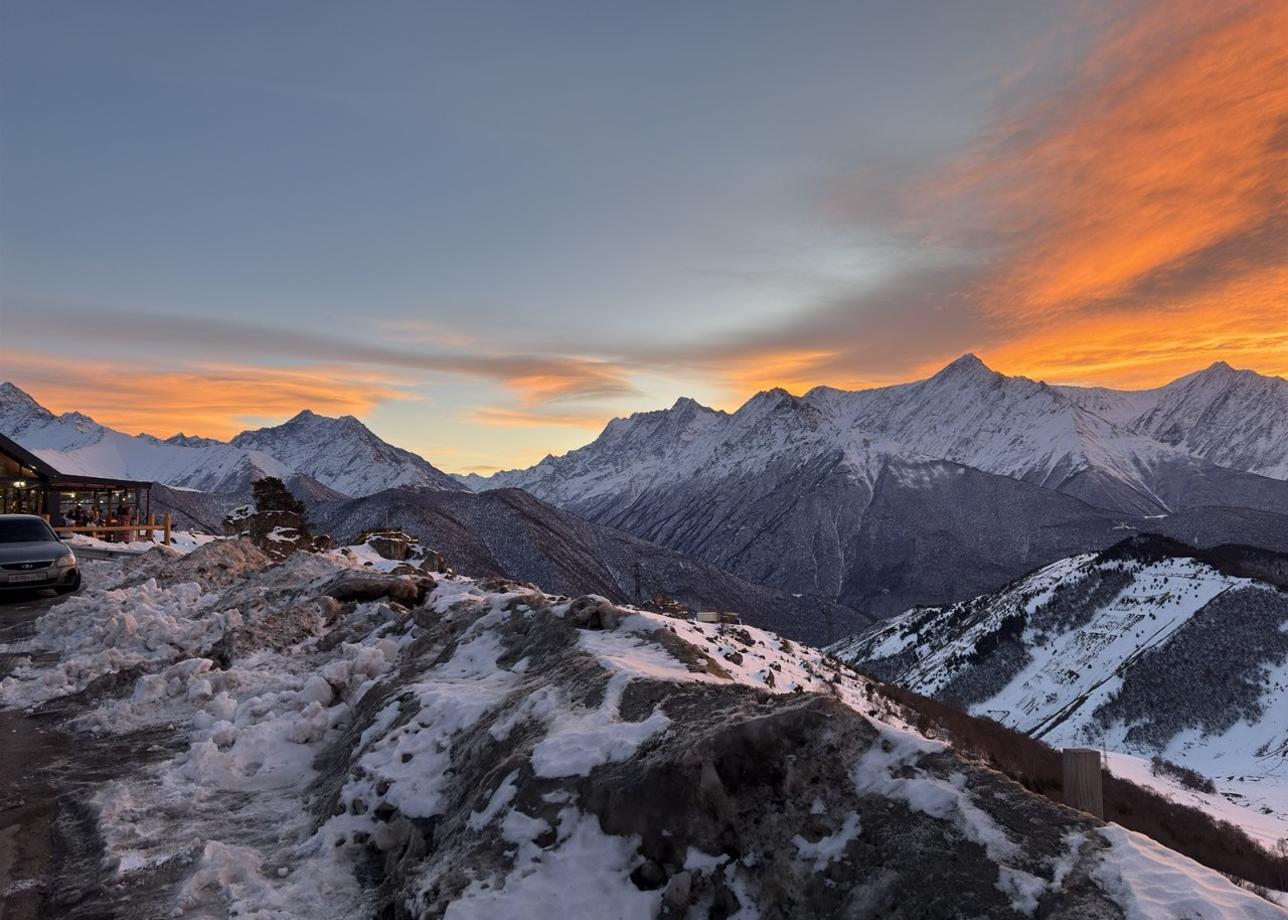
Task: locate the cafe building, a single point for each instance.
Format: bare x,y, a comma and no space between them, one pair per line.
29,485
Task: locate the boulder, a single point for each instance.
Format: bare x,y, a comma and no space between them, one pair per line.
590,611
360,585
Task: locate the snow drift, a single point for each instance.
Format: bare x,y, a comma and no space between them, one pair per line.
495,751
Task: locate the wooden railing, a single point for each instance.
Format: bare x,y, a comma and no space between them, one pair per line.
143,531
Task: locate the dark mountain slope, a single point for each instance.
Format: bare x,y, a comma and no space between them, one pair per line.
510,533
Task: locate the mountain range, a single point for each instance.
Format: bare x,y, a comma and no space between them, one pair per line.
877,500
1216,437
935,490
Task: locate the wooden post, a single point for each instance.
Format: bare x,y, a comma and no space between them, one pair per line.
165,521
152,528
1082,789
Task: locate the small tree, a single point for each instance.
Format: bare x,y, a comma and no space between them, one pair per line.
271,494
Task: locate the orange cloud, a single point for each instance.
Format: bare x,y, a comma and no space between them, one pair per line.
1170,143
1128,228
559,378
1244,323
792,370
215,401
1148,206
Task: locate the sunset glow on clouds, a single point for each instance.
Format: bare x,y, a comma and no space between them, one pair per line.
216,401
1147,211
1119,218
1130,229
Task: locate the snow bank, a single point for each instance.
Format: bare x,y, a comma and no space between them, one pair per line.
483,756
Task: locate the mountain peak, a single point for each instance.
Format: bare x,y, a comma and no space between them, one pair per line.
12,395
967,367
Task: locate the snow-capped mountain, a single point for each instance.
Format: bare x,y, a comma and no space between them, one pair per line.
920,493
1030,431
321,458
75,443
777,494
1235,418
1148,649
1146,452
344,455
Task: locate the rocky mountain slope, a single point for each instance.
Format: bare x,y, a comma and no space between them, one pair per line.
921,493
491,751
322,458
1148,649
509,533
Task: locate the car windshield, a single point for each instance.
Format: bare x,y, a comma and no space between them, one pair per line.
25,531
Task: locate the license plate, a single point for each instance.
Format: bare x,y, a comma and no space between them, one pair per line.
30,576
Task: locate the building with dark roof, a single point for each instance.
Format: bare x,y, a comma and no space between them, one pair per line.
30,485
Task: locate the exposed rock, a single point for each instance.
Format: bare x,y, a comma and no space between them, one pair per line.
361,585
594,612
278,533
396,545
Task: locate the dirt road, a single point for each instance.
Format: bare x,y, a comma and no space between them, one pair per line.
28,801
51,855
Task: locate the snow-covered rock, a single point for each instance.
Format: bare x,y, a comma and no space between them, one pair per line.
484,756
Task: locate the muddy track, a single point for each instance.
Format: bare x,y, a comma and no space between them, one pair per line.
51,858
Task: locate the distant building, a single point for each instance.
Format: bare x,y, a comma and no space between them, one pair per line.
29,485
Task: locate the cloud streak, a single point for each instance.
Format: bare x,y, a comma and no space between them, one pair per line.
535,378
217,400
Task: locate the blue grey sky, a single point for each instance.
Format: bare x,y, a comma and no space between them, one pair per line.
524,217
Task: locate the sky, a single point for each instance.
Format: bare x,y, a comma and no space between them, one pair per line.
486,228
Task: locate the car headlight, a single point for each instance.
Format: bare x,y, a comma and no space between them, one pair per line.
65,561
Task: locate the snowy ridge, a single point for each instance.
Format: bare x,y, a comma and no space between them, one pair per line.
1141,452
1108,650
653,450
499,752
341,454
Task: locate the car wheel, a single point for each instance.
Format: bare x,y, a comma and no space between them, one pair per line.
69,588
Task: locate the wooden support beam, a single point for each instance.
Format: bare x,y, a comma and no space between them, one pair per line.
1082,786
